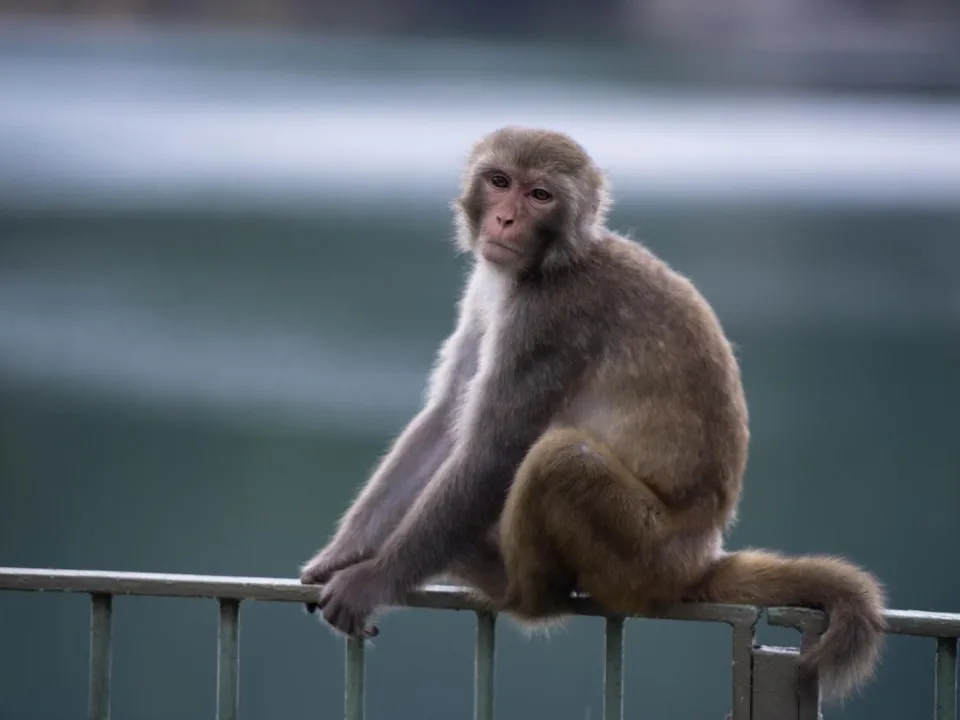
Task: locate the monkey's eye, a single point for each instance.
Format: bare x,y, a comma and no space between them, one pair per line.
499,181
540,194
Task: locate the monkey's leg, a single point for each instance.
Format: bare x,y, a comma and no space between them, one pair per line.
484,571
576,517
484,568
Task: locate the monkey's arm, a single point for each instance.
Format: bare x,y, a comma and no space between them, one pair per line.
461,502
412,461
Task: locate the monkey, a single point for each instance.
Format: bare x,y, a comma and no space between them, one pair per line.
584,430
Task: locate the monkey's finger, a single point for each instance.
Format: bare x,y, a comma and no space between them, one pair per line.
320,573
315,576
336,618
311,607
348,622
352,627
362,631
330,617
371,631
324,598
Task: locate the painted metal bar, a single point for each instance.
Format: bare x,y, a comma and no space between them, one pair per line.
228,660
899,622
775,693
742,670
613,670
484,666
356,667
101,654
103,586
945,697
448,597
809,687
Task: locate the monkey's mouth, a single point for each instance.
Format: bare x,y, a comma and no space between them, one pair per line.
502,246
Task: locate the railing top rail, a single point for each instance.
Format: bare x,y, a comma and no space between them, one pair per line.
448,597
438,596
899,622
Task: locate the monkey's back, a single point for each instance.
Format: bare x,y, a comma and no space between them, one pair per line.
671,401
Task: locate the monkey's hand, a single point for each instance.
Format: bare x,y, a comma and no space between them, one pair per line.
325,564
352,596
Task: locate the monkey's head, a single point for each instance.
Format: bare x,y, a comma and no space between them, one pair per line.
531,199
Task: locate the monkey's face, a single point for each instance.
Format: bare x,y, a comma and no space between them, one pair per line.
517,207
530,199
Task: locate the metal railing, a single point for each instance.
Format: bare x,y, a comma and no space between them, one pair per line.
766,682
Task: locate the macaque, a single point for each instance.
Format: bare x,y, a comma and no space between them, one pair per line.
584,430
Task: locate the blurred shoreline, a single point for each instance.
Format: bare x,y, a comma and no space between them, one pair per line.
153,119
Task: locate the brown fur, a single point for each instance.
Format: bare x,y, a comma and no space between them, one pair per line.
585,428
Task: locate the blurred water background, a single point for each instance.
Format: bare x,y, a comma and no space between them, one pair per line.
225,266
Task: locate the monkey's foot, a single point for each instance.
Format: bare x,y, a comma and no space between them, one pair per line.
534,606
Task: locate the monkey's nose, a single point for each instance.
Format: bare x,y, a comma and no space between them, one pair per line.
504,222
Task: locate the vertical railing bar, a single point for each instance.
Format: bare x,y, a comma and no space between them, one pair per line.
228,660
353,705
101,652
484,666
809,687
613,670
945,690
742,671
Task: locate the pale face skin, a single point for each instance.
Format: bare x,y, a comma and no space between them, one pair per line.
515,206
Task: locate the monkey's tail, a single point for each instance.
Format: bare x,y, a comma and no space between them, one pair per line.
847,653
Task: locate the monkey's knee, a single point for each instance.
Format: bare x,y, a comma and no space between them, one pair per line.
563,477
543,508
576,513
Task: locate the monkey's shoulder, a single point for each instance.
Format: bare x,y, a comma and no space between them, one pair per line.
642,286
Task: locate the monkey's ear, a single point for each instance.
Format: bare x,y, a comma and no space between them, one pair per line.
465,235
604,201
